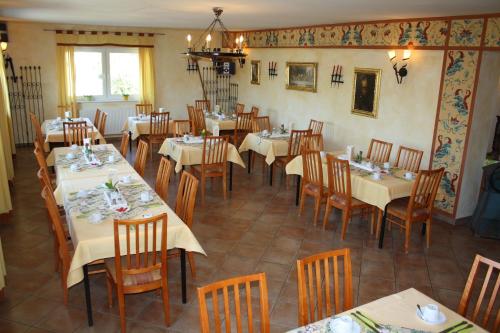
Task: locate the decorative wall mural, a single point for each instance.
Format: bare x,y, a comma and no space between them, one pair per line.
466,32
492,37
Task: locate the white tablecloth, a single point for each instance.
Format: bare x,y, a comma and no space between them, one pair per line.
268,147
56,134
140,126
224,125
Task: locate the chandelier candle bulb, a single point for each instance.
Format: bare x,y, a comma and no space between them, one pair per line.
189,40
209,38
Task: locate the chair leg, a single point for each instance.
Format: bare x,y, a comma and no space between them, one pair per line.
121,307
224,184
379,223
109,284
302,199
253,162
317,204
192,264
428,231
372,223
203,189
64,285
57,261
328,209
345,219
166,301
407,235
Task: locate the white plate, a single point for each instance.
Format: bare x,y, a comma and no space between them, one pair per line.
441,319
355,327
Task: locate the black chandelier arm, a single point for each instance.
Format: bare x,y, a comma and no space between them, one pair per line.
208,29
225,33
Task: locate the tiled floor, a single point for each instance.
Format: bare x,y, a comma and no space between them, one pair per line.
256,229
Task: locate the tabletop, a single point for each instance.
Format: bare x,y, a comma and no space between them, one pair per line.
52,129
226,124
269,146
397,313
140,126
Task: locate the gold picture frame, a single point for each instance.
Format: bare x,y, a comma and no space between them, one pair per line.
302,76
255,72
366,91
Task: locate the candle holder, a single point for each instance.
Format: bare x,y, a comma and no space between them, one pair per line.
192,65
272,72
337,76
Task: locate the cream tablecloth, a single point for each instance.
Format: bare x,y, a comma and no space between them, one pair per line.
375,192
55,133
268,147
191,154
140,126
398,310
3,271
224,125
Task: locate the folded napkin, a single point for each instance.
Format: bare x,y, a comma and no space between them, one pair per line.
279,135
362,166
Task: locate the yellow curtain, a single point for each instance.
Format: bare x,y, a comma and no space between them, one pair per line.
7,146
65,63
147,76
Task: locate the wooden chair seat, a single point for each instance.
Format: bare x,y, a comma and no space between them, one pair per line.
341,202
148,278
313,188
209,172
399,209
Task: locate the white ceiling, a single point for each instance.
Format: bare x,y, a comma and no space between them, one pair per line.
238,14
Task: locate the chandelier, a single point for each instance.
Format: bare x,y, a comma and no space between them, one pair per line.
201,48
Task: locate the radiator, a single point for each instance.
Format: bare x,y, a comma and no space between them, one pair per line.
117,116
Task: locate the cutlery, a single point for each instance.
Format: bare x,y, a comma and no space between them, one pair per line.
449,329
371,320
420,309
464,328
370,326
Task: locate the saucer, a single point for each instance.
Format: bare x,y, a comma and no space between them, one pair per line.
441,319
355,327
146,201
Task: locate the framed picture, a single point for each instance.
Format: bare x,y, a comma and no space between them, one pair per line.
302,76
365,92
255,74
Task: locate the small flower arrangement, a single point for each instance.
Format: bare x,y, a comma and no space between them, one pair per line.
359,157
110,185
203,134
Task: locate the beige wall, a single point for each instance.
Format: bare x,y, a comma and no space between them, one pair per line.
486,108
406,112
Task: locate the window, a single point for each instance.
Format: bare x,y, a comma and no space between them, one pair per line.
106,73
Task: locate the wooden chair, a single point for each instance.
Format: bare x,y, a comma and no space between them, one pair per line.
74,132
340,195
143,109
319,285
97,117
144,266
238,108
316,126
158,129
38,129
141,157
40,158
379,151
242,128
163,178
213,163
294,145
261,123
312,180
255,111
124,144
184,208
199,121
182,127
490,269
202,104
241,288
416,208
102,124
409,159
191,115
312,142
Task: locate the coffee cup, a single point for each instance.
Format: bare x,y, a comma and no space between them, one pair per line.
387,165
408,175
342,324
127,179
74,147
74,167
186,137
145,196
70,156
322,154
95,218
111,158
376,176
430,313
58,119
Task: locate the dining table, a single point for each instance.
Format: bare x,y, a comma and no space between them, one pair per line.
52,129
90,214
396,313
269,146
377,192
225,123
190,152
140,125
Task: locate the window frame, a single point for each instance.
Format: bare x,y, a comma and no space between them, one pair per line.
106,82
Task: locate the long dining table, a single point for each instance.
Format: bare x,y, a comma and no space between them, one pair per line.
81,192
378,192
52,129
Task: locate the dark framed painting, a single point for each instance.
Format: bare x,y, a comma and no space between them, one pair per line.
302,76
365,92
255,72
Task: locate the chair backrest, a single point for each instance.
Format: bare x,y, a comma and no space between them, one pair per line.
316,126
190,111
124,144
239,108
240,288
138,238
143,109
97,117
158,124
163,178
312,168
182,127
141,157
319,285
480,286
186,198
37,127
339,178
40,157
214,151
312,142
379,151
74,132
243,126
295,141
202,104
44,179
102,123
409,159
261,123
424,190
199,121
255,111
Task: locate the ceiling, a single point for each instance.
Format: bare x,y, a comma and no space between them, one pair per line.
238,14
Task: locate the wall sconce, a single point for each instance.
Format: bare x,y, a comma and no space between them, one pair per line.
402,71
